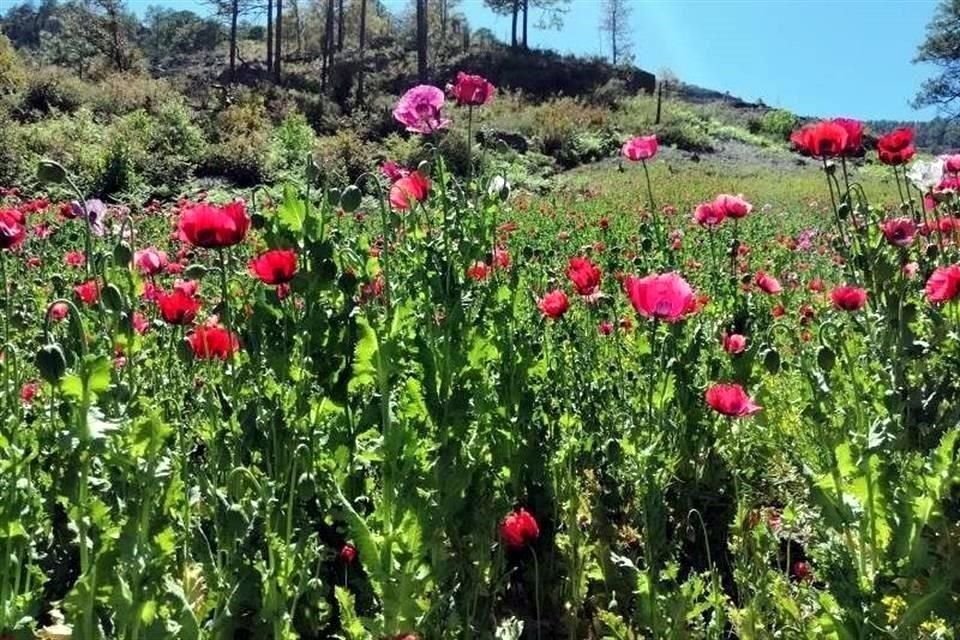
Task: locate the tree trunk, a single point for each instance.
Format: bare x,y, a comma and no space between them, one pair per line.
328,44
269,34
363,44
613,35
340,21
422,40
278,43
516,11
526,9
234,15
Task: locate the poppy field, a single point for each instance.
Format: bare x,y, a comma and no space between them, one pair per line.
427,405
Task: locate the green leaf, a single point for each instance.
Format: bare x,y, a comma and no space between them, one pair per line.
365,357
292,211
352,627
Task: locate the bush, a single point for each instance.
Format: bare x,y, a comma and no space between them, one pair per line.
122,93
344,157
75,140
406,150
242,149
684,135
11,152
50,89
12,73
292,142
778,124
611,94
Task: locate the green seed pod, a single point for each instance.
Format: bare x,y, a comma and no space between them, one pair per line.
350,199
112,298
313,170
122,254
51,172
195,271
333,197
843,211
932,251
771,361
826,358
51,362
258,221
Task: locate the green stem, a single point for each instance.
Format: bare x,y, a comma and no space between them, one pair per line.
536,588
225,302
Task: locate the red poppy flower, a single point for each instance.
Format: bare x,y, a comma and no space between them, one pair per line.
408,191
708,215
663,297
74,259
348,553
479,271
640,148
59,311
896,147
899,231
501,258
213,342
554,304
29,391
605,328
518,529
767,283
854,130
213,227
731,400
277,266
816,285
943,284
177,307
12,229
822,140
585,276
88,292
471,90
848,298
732,206
734,343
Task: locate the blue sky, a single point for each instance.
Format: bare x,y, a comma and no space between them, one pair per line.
815,57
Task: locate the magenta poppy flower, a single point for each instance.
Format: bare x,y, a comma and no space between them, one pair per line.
12,229
734,343
896,147
420,110
707,214
731,400
899,231
150,261
951,163
640,148
663,297
943,284
732,206
767,283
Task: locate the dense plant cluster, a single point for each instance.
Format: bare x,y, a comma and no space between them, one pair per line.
417,406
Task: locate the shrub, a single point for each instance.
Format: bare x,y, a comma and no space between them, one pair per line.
75,140
121,93
778,124
51,89
291,144
344,157
11,151
684,135
241,152
12,73
406,150
611,94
